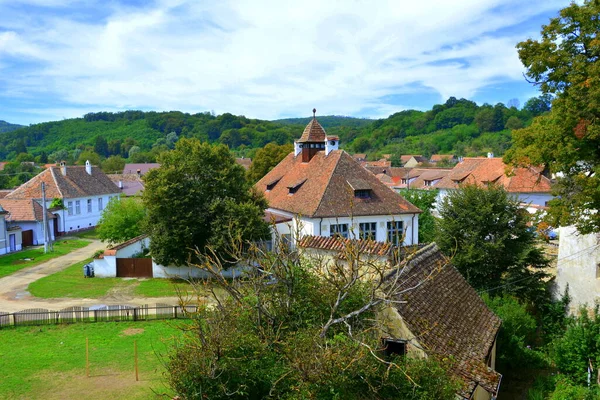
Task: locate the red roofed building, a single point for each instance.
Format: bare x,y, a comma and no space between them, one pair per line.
528,184
323,191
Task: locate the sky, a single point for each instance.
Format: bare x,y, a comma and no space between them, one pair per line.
262,59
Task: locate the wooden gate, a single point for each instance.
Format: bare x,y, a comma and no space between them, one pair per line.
27,237
134,267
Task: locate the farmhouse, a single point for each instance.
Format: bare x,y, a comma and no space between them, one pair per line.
83,190
10,239
28,215
321,190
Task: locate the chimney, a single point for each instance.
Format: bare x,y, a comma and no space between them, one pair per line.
331,143
490,155
120,184
297,148
63,168
139,172
88,167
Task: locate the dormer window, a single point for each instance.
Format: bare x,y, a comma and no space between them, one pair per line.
428,183
362,193
404,181
296,186
272,184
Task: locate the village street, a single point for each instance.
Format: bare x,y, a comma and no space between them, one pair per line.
14,296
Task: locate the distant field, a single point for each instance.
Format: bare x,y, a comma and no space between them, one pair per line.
48,362
13,262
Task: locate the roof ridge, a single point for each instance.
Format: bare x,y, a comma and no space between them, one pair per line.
56,182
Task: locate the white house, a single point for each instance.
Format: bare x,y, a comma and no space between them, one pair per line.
27,214
84,190
323,191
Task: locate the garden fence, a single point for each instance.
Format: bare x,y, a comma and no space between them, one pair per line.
41,316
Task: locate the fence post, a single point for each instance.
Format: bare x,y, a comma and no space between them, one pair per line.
135,314
14,319
87,357
175,309
95,315
135,354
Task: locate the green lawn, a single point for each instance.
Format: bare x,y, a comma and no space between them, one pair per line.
15,261
89,234
71,283
49,361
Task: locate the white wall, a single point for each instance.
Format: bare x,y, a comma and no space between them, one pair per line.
538,199
37,228
579,267
4,245
84,219
160,271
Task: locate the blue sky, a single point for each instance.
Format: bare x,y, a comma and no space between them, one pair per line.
263,59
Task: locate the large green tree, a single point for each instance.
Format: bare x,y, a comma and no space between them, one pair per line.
267,158
485,232
565,63
121,220
199,197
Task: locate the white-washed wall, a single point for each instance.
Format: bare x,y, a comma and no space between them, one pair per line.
84,219
37,228
105,267
160,271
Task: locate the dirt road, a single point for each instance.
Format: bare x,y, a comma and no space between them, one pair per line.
14,295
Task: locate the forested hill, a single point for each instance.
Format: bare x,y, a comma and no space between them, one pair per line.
458,126
6,127
329,121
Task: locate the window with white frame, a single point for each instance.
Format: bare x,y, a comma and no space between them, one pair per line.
77,207
100,206
339,230
70,207
394,232
367,230
89,205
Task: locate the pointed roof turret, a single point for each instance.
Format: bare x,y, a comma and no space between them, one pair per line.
313,132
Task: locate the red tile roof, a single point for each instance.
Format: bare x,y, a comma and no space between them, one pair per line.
112,251
244,162
24,210
335,243
447,316
482,171
325,191
132,183
76,183
441,157
313,132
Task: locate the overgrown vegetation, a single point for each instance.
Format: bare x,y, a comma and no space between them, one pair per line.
121,220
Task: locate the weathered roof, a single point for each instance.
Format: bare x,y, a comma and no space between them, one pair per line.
244,162
24,210
336,243
313,132
4,193
325,191
112,251
141,167
76,183
441,157
132,183
447,316
481,171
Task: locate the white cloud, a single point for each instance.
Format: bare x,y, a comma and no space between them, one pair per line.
265,59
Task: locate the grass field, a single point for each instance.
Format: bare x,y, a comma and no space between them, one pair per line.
49,362
13,262
88,234
71,283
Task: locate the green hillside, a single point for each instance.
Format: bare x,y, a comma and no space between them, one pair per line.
6,127
458,126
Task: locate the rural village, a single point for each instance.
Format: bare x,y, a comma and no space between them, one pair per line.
452,253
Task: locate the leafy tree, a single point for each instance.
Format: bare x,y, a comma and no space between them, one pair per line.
486,233
272,336
89,155
198,195
101,146
425,200
266,159
59,156
121,220
539,105
564,63
513,123
133,150
113,164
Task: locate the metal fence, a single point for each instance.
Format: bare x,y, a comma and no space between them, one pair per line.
41,316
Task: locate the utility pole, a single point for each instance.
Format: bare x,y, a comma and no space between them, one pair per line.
44,217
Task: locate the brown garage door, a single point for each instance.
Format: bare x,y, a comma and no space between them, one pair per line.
27,238
134,267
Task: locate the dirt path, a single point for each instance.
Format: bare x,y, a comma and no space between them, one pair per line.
15,297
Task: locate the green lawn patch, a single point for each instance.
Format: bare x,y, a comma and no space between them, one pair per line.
88,234
13,262
163,287
50,361
70,282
